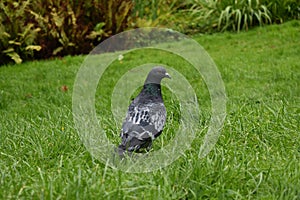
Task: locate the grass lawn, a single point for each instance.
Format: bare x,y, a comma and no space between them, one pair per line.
256,157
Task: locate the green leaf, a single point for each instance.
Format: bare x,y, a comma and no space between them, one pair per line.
8,50
33,47
58,20
14,42
5,34
13,55
99,26
57,50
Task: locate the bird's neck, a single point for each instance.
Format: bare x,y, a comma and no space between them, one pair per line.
153,89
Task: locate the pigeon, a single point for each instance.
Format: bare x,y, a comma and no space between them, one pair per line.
146,115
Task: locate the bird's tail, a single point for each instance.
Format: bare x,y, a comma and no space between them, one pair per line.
121,152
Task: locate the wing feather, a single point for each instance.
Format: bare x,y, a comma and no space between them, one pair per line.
143,123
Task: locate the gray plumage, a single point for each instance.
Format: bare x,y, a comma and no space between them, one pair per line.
146,115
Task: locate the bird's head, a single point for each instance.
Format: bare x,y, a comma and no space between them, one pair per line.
156,75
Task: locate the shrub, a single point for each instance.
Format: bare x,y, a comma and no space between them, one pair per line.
283,10
204,16
220,15
75,27
17,34
242,14
163,13
45,28
214,15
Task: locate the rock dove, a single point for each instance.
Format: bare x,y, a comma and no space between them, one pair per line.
146,115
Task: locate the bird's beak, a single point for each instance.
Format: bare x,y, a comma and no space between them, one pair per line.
167,75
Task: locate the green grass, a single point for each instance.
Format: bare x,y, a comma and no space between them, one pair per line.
256,157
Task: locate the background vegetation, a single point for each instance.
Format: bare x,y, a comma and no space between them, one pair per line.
256,157
42,29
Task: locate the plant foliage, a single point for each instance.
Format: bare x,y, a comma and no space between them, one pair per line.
17,34
42,29
242,14
39,29
207,16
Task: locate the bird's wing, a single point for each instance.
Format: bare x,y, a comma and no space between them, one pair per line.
158,116
143,123
138,122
